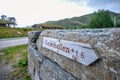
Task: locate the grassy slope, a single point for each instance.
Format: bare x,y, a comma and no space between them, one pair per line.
14,32
17,56
70,23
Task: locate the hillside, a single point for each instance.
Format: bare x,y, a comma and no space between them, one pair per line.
77,22
72,22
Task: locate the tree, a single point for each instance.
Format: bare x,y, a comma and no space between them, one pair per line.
12,19
3,17
101,19
118,21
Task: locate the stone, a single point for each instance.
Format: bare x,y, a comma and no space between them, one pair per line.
51,71
31,66
36,77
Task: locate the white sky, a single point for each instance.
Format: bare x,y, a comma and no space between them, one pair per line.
29,12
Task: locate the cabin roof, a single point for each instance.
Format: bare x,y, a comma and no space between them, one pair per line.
5,22
49,26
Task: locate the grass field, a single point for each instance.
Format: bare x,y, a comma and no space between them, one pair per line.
15,58
14,32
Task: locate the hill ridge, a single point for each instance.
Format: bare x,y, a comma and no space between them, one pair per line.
77,22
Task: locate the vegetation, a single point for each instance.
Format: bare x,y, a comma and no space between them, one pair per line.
101,19
118,21
14,32
17,56
80,22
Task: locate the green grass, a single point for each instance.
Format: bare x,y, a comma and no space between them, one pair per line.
18,57
11,52
14,32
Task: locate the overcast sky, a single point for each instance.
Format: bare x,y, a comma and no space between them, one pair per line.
29,12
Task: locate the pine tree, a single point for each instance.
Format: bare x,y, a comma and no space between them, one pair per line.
101,19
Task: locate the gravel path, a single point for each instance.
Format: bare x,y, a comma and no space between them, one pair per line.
12,42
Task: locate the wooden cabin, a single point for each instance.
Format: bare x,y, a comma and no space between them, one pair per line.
47,26
5,23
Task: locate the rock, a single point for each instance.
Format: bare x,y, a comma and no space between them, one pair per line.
54,66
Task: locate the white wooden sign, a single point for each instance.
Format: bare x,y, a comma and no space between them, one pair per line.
81,52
